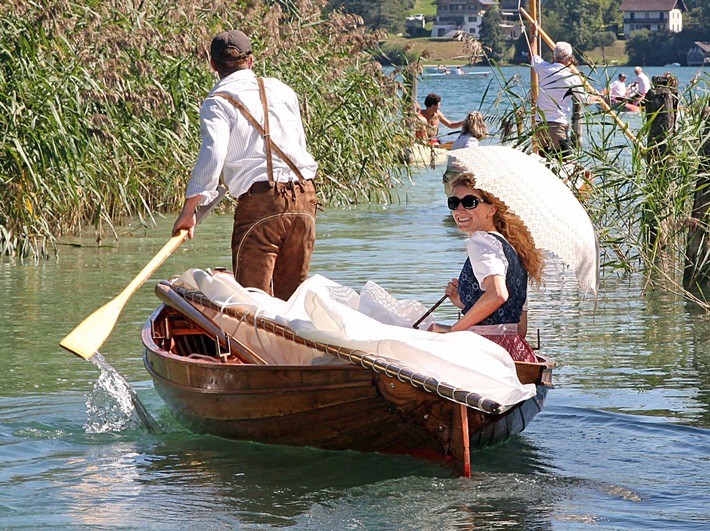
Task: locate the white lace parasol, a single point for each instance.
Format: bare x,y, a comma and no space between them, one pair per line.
553,215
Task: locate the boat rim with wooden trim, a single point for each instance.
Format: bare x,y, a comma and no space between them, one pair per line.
206,378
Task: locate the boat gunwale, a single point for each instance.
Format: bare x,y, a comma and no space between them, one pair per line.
374,363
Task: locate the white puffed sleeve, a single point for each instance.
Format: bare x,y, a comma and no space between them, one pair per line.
487,256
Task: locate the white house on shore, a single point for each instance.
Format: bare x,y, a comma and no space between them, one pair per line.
460,16
653,15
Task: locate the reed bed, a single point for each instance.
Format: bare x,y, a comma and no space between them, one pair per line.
100,102
649,199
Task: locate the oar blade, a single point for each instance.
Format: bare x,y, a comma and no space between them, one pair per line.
86,339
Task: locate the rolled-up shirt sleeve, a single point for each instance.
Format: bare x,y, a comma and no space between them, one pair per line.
214,132
487,256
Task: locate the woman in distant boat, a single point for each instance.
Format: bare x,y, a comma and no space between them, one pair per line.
491,290
474,128
434,117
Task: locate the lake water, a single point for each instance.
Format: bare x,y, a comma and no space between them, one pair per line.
623,442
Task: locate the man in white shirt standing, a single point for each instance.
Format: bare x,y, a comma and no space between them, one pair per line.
557,86
263,160
641,85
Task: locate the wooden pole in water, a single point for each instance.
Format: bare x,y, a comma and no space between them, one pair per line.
534,50
577,120
661,111
697,268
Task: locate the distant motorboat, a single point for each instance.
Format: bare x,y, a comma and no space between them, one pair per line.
673,64
454,73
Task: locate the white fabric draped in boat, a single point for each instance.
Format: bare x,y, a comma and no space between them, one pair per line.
325,311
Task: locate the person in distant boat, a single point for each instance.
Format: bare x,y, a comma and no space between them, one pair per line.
264,163
474,128
491,290
434,117
459,71
640,86
421,124
557,86
617,90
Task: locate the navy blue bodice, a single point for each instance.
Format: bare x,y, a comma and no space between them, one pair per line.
516,281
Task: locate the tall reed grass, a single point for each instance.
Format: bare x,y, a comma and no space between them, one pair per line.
100,106
645,197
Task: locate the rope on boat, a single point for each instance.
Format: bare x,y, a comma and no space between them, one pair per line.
357,357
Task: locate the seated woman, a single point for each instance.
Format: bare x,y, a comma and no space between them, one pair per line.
492,287
474,128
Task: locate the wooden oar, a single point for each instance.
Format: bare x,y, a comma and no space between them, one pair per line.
86,339
439,302
575,70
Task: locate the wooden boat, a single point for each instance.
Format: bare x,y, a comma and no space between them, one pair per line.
621,106
214,383
427,154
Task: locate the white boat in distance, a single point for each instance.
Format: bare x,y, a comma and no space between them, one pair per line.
454,73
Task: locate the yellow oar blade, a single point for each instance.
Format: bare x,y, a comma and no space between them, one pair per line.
86,339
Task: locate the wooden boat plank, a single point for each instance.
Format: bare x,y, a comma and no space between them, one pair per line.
337,407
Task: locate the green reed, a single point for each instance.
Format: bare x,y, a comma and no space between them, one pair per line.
100,105
645,197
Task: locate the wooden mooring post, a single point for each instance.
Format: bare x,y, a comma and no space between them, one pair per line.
660,113
661,109
697,263
577,123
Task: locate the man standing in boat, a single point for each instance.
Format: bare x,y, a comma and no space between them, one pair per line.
252,135
434,116
640,86
557,86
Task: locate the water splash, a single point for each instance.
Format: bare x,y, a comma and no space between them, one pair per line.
113,406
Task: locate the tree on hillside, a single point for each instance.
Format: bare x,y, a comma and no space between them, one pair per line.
492,36
582,23
385,14
698,14
658,48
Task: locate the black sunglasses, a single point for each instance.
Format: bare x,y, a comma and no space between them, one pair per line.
469,202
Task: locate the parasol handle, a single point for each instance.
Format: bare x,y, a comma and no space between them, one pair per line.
428,313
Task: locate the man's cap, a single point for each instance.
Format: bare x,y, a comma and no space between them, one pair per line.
622,74
233,39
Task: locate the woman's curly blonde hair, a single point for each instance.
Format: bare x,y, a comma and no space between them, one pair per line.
511,227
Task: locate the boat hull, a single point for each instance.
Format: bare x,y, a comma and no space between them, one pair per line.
335,407
425,155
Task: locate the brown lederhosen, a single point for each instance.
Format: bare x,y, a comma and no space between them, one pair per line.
274,222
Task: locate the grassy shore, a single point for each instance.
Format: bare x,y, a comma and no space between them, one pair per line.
451,52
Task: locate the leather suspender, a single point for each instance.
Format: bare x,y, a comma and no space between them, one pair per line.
266,135
263,131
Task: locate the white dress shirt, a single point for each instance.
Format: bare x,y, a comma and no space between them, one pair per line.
643,83
232,146
557,85
617,90
465,141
